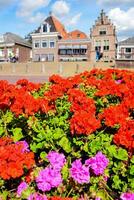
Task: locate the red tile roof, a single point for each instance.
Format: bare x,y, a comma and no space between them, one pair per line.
76,34
59,27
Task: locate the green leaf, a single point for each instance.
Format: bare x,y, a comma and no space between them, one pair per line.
17,134
131,183
65,144
8,117
4,195
132,169
112,150
132,160
65,172
2,130
26,193
102,194
58,133
85,148
117,182
43,156
121,154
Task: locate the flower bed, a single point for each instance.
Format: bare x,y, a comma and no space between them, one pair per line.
69,138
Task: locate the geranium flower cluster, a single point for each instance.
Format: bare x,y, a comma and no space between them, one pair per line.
125,135
127,196
19,99
50,177
83,120
97,164
14,158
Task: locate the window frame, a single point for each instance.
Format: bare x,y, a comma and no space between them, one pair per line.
128,48
51,41
35,42
44,41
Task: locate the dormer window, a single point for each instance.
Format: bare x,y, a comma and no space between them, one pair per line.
45,28
78,35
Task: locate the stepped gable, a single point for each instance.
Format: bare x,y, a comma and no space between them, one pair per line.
103,19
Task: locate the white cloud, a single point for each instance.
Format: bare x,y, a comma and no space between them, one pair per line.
124,20
74,20
60,8
27,7
37,18
115,2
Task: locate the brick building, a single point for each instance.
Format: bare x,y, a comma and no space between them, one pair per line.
74,47
103,38
13,45
51,41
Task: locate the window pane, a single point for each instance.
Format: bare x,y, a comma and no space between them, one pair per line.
52,44
44,44
51,57
128,50
102,32
37,44
45,28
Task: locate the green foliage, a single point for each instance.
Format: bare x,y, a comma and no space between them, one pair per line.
44,88
17,134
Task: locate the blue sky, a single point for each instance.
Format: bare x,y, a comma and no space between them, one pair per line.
23,16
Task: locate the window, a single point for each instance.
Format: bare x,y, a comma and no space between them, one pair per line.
76,51
97,48
103,31
37,44
69,52
45,28
37,57
44,57
51,57
62,52
128,50
9,52
52,44
106,45
106,48
97,45
44,44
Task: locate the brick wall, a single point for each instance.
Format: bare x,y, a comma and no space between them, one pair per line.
24,52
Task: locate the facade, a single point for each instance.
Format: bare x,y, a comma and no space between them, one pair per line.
12,45
103,39
45,40
51,42
125,50
74,47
